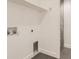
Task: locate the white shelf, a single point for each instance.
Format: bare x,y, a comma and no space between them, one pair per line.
31,4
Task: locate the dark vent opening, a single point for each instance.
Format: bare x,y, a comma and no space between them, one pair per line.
35,46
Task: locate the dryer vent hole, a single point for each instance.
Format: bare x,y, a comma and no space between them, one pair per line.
35,46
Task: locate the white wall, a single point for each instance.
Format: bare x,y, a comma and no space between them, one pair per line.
49,36
67,23
20,45
25,15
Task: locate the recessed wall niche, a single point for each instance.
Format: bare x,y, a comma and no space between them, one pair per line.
11,30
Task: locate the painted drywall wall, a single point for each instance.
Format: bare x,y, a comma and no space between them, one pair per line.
67,23
49,35
22,14
24,18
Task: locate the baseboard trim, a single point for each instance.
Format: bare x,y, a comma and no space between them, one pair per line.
67,45
53,54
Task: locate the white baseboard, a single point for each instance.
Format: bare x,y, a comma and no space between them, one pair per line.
53,54
30,55
67,45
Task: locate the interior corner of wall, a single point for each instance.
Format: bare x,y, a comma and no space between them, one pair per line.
53,54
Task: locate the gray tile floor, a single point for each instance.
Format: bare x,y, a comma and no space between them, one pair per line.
65,54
